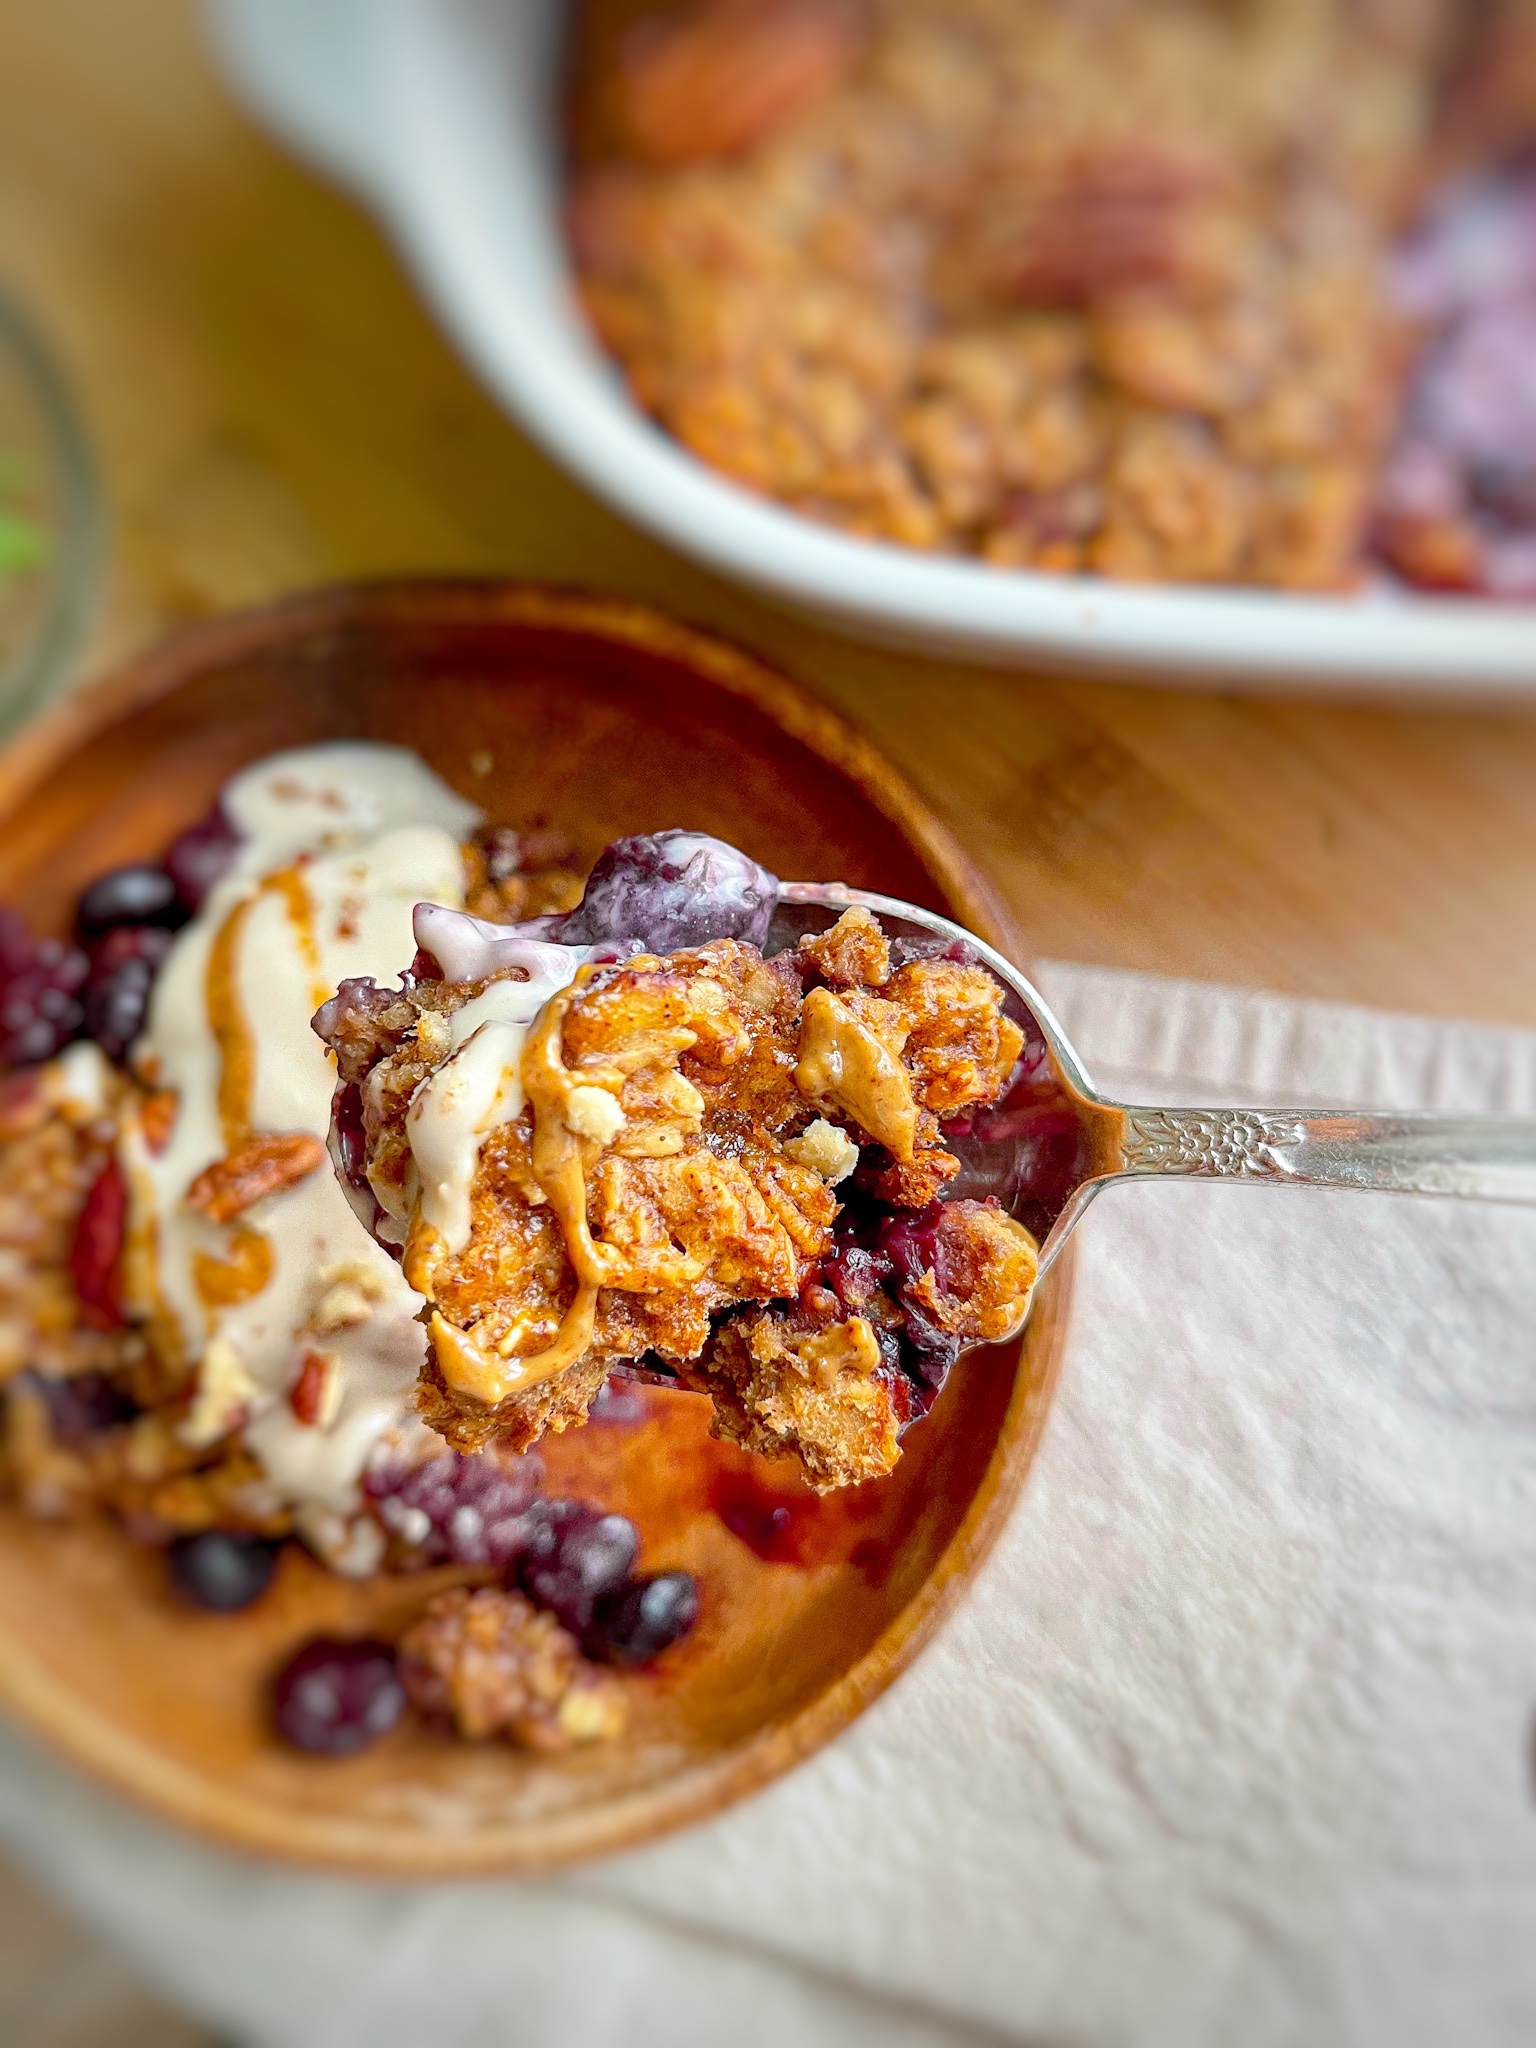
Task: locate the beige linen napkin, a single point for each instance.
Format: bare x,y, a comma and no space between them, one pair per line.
1232,1743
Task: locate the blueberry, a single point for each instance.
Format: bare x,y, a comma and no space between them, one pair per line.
575,1556
643,1618
203,855
135,895
122,973
222,1570
910,1240
927,1352
333,1698
670,890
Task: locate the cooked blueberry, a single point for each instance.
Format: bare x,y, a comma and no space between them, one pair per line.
574,1556
135,895
669,890
203,855
910,1240
333,1698
927,1352
643,1618
122,973
221,1569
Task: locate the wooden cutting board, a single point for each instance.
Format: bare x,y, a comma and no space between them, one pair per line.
275,408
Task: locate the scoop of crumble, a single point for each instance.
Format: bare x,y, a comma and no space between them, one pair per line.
586,1160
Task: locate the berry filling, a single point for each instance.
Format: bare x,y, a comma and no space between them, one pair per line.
334,1698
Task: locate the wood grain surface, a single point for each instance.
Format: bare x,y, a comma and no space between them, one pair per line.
482,679
275,408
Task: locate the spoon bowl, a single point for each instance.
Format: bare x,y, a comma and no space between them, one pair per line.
1053,1141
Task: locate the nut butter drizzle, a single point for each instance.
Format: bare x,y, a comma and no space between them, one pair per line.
230,1026
251,1260
561,1158
842,1063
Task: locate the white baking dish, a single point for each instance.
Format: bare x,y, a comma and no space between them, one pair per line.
441,114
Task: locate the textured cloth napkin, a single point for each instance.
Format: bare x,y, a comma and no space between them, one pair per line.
1231,1743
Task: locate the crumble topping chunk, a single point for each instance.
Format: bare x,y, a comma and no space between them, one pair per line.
679,1126
494,1664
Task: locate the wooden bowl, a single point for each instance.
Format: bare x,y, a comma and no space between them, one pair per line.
601,718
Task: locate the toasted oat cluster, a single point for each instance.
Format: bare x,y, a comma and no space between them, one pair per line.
712,1153
1077,288
493,1664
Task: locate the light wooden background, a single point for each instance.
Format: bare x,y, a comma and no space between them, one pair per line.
274,407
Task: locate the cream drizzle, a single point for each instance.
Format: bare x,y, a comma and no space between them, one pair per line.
478,1088
340,842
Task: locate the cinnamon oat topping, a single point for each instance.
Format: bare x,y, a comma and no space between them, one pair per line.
684,1122
493,1664
1077,288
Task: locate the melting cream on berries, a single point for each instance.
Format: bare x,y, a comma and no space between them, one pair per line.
337,845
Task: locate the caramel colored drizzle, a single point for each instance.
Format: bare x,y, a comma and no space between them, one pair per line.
230,1027
842,1062
224,1283
561,1160
290,885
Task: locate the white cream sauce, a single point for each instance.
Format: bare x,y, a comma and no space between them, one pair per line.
341,841
477,1089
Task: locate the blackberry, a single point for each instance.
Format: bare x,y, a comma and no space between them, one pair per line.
456,1509
203,855
122,973
575,1556
669,890
40,985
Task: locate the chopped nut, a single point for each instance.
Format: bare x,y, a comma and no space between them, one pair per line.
594,1113
315,1396
352,1549
341,1307
825,1149
265,1165
225,1391
80,1083
434,1036
157,1118
842,1062
719,80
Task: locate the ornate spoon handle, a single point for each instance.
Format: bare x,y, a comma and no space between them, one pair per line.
1493,1158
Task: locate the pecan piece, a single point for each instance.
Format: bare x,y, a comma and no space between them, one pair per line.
264,1165
721,78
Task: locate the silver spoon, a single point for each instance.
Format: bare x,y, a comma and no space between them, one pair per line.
1489,1158
1492,1158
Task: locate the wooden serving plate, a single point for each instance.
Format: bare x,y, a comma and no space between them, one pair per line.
601,718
